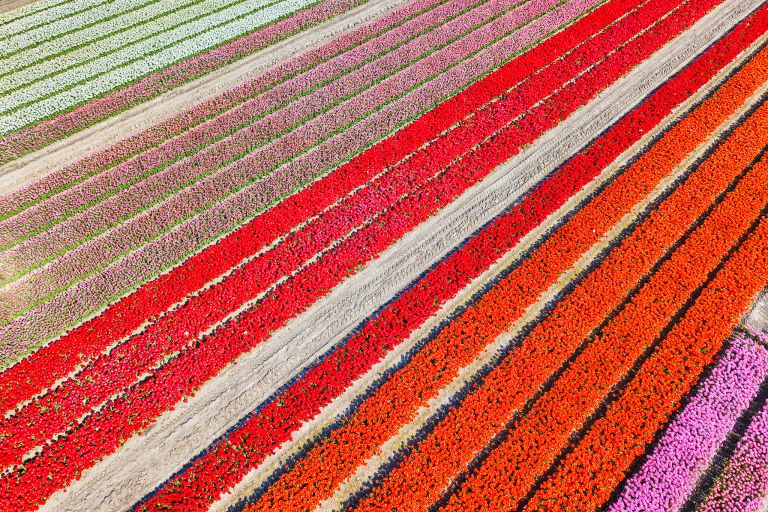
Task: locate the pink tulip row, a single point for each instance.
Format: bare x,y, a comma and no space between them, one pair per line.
45,132
42,322
85,225
111,180
743,483
184,121
690,442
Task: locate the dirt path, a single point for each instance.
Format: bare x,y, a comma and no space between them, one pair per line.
18,173
9,5
146,461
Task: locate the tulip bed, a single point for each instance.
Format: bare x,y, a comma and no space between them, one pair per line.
583,349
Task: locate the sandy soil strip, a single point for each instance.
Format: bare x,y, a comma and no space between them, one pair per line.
146,461
10,5
365,472
18,173
757,318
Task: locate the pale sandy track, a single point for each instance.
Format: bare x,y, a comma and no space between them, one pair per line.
9,5
18,173
145,461
757,318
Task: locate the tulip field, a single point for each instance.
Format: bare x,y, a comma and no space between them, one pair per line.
361,255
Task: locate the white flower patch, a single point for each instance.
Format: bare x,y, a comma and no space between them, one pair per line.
37,13
205,32
60,26
150,20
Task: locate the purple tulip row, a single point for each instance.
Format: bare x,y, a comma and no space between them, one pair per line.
743,484
49,319
688,445
185,144
129,202
157,134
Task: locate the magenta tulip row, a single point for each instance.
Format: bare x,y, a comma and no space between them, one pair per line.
689,444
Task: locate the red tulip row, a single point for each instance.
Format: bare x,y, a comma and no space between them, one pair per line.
43,368
232,457
318,472
102,432
587,476
544,431
109,374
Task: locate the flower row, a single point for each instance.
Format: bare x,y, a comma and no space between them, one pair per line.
107,375
272,424
743,483
38,49
471,130
30,16
103,432
23,380
54,14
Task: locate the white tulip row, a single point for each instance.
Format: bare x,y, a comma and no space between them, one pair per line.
47,104
217,27
39,13
156,19
50,31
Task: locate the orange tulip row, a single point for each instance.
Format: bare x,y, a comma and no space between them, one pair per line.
510,385
512,469
588,475
395,403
